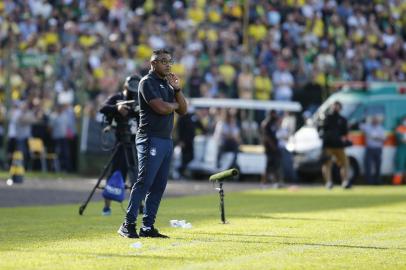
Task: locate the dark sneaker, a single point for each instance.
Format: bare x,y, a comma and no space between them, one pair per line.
128,230
106,211
151,233
346,184
329,185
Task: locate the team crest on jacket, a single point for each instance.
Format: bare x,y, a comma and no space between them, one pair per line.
153,151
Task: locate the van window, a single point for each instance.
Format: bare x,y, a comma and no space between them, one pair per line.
348,109
396,109
363,112
374,110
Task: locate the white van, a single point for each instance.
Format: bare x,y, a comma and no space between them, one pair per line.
359,102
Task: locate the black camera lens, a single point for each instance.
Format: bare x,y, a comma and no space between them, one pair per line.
131,83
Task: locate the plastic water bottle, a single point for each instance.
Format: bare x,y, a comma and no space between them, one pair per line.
187,226
174,223
136,245
180,224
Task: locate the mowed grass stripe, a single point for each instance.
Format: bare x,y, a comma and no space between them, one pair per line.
310,228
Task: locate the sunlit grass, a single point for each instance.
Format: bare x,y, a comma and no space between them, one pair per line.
310,228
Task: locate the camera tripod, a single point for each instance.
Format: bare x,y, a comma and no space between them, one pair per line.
131,162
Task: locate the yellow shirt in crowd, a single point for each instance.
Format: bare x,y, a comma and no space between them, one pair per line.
257,31
228,73
263,87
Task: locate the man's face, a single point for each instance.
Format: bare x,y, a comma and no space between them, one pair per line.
375,120
162,64
337,107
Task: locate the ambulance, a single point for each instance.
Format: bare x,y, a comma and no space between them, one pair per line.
360,101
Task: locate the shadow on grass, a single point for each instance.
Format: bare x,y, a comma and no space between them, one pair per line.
293,218
204,240
249,235
344,246
319,219
282,203
139,254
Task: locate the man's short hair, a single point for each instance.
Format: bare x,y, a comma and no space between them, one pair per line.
156,53
338,103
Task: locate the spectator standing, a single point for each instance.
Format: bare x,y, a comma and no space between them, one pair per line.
262,90
269,127
25,118
334,132
283,82
186,129
60,121
284,131
227,134
194,82
40,129
400,156
212,79
262,85
12,130
249,128
375,137
245,83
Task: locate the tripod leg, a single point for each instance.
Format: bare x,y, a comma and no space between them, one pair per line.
103,174
131,162
221,193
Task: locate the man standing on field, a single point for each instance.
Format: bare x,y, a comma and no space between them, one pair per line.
159,96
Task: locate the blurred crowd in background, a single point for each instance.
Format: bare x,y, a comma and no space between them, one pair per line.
62,59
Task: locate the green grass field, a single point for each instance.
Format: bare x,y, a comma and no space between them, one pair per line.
310,228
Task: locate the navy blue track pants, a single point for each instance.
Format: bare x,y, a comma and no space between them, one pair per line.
154,157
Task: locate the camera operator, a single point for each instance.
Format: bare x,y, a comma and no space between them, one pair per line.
122,110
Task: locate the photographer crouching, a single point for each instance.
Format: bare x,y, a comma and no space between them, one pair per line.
121,113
